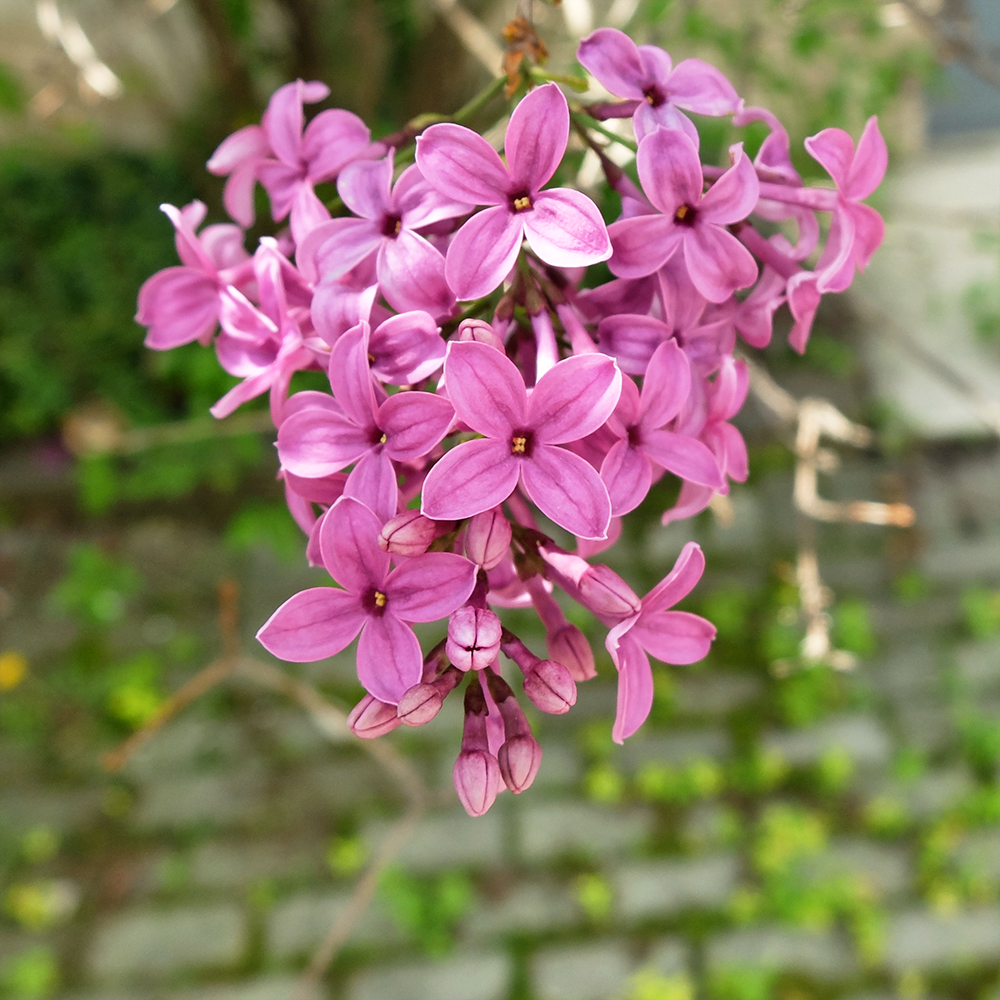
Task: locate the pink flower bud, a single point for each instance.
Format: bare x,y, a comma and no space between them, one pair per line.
487,538
477,780
480,330
550,687
407,534
606,593
371,718
519,759
419,705
568,645
473,638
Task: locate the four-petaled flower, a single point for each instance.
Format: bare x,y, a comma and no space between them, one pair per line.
520,438
562,226
376,601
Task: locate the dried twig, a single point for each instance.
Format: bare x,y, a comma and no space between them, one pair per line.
814,419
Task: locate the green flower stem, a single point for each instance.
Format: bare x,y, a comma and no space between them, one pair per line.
586,122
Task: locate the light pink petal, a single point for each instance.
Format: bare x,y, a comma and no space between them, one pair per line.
249,388
244,145
869,231
351,378
691,500
407,348
635,685
568,490
282,182
642,244
684,456
223,242
803,301
315,443
573,398
536,138
373,482
733,449
179,305
348,542
729,391
462,164
327,490
717,262
666,386
307,212
565,229
733,196
283,120
869,164
429,587
312,625
411,275
469,479
332,140
612,57
389,658
483,251
656,64
414,422
632,339
627,474
486,389
648,119
670,171
363,187
347,242
679,582
700,87
626,412
675,636
833,149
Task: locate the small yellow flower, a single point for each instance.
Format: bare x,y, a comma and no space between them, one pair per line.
13,667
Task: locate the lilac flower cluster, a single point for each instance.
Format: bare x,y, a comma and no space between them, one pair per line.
476,378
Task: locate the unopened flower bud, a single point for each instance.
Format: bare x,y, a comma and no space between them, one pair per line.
477,780
606,593
550,687
568,645
371,718
473,638
478,330
407,534
519,759
423,701
487,538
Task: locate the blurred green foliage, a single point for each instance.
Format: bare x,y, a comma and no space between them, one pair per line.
427,909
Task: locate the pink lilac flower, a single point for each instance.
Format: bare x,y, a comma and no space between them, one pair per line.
301,159
562,226
181,304
237,158
645,74
671,636
376,601
317,441
411,271
639,421
671,176
521,435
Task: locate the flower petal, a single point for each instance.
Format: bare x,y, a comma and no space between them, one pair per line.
670,170
635,686
469,479
574,398
312,625
373,481
733,196
675,636
700,87
483,251
717,262
461,164
567,489
536,137
613,58
869,164
627,474
364,185
348,542
429,587
389,659
679,582
316,442
666,386
565,229
684,456
414,422
486,389
411,275
351,378
642,244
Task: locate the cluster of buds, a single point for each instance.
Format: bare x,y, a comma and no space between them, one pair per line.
477,377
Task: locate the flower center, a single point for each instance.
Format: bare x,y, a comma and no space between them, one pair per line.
654,96
379,598
391,226
520,443
520,202
685,215
634,436
374,602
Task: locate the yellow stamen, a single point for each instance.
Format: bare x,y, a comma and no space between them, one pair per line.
398,227
681,214
379,599
518,446
520,204
382,439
